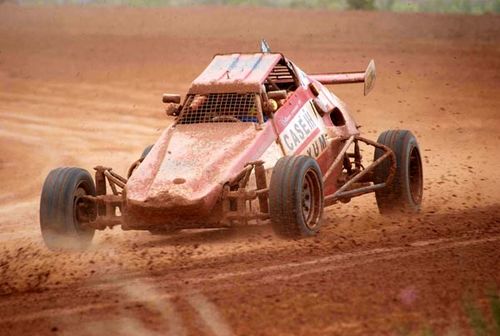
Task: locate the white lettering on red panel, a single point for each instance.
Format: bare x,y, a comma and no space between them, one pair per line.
305,133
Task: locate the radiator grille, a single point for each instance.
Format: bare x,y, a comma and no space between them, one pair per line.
281,74
218,107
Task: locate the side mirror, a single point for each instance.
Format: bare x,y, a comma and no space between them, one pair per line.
171,98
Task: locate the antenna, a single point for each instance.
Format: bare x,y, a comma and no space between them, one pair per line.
264,47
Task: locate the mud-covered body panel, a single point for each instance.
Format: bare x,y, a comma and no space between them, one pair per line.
185,171
304,131
239,73
180,182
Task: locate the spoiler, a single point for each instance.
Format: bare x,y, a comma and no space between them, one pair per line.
367,77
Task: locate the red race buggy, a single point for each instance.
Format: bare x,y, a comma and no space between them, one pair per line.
254,140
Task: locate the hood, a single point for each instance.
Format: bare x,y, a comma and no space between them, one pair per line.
240,73
191,162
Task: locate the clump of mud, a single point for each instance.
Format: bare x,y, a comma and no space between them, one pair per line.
31,267
23,270
26,265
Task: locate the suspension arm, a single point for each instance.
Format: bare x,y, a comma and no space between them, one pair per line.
345,192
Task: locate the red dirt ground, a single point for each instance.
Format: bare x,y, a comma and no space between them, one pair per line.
82,86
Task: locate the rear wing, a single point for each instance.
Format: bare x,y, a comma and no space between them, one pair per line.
367,77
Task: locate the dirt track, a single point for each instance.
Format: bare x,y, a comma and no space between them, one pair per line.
82,86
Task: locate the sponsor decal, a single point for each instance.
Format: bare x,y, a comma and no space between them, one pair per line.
317,147
305,133
298,130
284,120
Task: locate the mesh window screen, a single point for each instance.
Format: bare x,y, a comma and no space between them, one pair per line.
219,107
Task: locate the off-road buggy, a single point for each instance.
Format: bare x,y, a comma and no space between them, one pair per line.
255,140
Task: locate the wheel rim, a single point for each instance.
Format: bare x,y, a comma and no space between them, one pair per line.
78,212
311,199
415,175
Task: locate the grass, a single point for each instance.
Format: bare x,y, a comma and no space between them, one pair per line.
439,6
480,323
495,311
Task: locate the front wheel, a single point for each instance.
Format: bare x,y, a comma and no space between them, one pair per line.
404,195
63,210
296,197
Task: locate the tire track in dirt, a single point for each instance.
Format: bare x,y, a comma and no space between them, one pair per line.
44,128
264,275
65,125
22,124
209,314
77,104
139,292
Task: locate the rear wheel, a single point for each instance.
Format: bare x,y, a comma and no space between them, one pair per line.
404,195
63,210
296,197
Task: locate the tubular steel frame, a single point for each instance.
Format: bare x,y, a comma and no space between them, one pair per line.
241,198
354,186
345,192
236,196
107,205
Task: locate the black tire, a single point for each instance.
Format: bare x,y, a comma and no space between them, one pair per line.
146,151
59,204
404,195
296,197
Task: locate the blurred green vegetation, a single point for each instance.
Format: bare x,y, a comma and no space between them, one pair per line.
479,321
483,319
438,6
361,4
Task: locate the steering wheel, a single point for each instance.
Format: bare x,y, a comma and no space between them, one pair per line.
225,118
